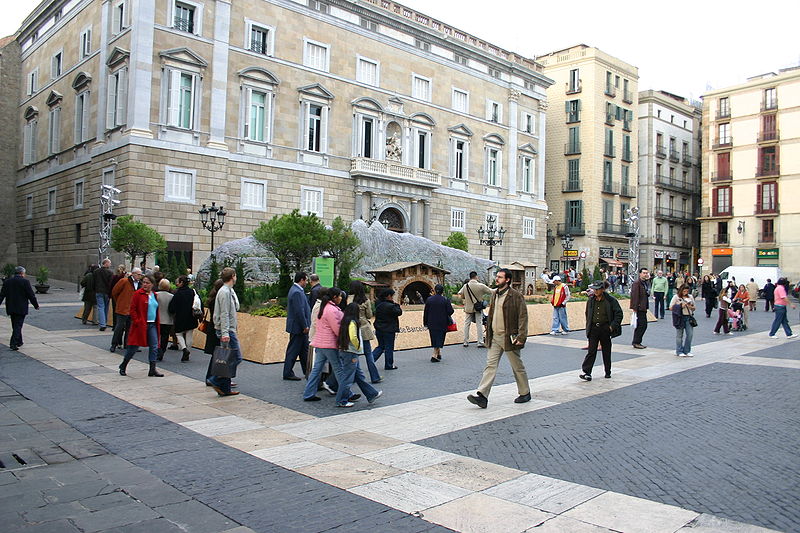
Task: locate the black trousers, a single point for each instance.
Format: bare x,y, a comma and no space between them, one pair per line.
16,330
121,325
297,348
659,304
711,303
641,327
769,303
166,331
598,335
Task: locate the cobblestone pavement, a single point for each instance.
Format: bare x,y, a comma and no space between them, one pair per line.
265,461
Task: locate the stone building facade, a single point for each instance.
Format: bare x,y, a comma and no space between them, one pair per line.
340,108
751,174
591,159
669,181
9,141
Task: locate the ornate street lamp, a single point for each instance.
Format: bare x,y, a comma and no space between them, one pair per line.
373,211
491,236
212,218
108,199
632,220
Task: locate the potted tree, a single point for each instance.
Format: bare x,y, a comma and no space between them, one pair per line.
42,276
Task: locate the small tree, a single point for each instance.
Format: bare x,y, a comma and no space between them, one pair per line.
134,239
458,241
597,275
293,239
585,279
343,246
238,287
182,268
213,273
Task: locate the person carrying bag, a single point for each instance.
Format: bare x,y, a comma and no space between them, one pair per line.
682,306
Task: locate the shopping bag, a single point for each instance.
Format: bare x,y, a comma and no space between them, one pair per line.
224,361
633,319
452,326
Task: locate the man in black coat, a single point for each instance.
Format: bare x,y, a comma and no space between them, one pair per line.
603,323
17,292
769,295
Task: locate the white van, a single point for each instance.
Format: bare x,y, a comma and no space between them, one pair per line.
742,275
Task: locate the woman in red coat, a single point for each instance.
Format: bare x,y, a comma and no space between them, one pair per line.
143,326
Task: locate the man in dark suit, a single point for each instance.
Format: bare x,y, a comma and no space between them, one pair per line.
17,292
639,301
298,320
603,322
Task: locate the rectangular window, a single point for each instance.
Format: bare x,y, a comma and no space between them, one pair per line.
421,87
366,137
422,143
528,123
257,116
574,140
259,39
33,239
723,136
493,167
768,197
494,111
78,233
608,212
314,128
56,65
30,135
622,212
460,100
574,218
316,55
460,157
607,175
458,218
33,82
82,117
767,160
368,71
574,81
29,206
181,99
527,174
311,201
179,185
254,195
574,174
609,147
625,177
770,98
119,17
46,239
54,133
117,101
77,193
184,17
51,201
108,177
723,200
528,228
86,43
573,109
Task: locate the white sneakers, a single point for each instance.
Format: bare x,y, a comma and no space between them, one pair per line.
792,336
773,336
558,332
688,354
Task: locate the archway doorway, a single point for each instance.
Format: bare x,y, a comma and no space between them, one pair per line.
417,292
393,220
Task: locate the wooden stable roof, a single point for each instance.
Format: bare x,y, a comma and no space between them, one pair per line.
394,267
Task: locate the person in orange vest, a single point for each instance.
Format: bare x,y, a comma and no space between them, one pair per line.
559,301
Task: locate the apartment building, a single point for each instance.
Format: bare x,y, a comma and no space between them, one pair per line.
9,141
333,107
669,181
591,157
751,174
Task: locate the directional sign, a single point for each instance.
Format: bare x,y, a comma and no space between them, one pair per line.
700,261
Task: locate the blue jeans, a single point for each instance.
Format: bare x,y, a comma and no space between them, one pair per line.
374,375
102,308
152,344
233,344
560,319
780,320
322,356
385,345
351,373
684,345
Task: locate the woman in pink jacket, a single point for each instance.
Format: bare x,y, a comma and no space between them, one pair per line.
326,344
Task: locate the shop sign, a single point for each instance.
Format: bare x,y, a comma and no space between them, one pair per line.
658,254
722,251
607,252
570,253
672,255
622,253
767,253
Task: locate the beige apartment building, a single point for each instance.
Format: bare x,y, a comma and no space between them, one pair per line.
669,181
751,174
591,157
333,107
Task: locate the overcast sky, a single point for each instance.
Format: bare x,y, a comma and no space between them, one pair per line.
681,46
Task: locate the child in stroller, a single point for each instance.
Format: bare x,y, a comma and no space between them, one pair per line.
735,317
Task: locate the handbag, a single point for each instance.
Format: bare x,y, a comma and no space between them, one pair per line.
197,307
203,326
452,326
223,361
479,305
692,321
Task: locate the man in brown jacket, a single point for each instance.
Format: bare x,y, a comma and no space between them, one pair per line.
122,292
506,333
639,300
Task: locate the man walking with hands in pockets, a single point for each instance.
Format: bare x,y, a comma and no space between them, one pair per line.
507,333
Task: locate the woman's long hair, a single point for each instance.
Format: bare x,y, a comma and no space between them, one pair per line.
212,294
357,292
329,295
350,315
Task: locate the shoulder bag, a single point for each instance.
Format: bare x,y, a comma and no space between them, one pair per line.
479,305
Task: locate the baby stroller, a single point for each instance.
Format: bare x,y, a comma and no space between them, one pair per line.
738,307
735,319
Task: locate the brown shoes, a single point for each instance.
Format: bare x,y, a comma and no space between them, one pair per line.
639,346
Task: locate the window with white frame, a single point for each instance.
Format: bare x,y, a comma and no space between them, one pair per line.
117,101
77,194
311,201
528,123
494,111
82,117
458,219
494,161
368,71
257,115
29,141
54,132
422,148
254,195
187,16
459,159
51,201
367,134
528,228
56,64
315,117
527,173
33,81
119,17
179,185
316,55
460,100
260,38
86,42
182,94
29,206
421,87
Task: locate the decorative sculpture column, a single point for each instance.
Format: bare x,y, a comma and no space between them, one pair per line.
426,218
511,159
414,216
358,211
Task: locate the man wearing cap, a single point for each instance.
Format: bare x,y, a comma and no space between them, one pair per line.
603,323
17,292
559,302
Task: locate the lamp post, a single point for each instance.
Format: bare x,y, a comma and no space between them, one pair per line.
632,220
108,199
373,211
212,218
566,244
491,236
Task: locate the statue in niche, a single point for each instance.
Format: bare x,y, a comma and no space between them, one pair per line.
394,152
